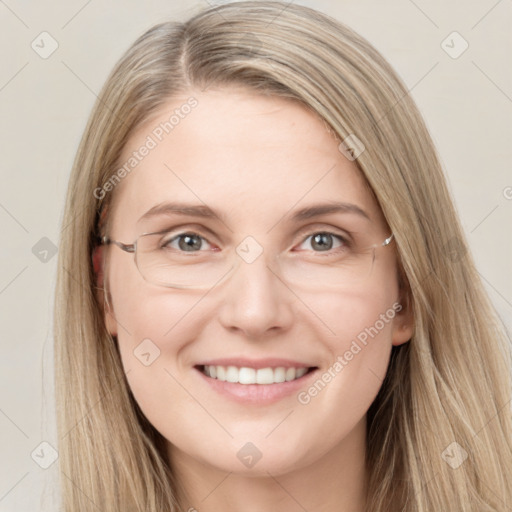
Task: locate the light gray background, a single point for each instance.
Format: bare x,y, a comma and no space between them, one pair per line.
44,105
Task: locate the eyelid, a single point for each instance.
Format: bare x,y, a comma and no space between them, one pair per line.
309,230
186,228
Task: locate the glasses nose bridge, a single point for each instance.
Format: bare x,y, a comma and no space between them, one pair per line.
251,253
252,249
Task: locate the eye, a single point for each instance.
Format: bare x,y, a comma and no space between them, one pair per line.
186,242
323,241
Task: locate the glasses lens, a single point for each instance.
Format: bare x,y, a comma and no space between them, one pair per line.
343,268
165,266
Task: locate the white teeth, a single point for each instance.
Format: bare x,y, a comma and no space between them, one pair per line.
265,376
246,375
279,374
232,374
219,370
300,372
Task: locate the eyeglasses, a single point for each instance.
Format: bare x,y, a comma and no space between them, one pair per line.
175,259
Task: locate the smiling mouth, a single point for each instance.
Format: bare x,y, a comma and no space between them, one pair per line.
246,375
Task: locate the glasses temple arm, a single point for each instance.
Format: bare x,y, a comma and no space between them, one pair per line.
125,247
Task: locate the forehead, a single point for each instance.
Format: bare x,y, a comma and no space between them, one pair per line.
246,155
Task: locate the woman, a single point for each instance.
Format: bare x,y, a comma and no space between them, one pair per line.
264,296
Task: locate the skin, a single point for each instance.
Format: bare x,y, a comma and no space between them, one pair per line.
255,159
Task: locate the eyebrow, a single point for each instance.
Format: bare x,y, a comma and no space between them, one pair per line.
203,211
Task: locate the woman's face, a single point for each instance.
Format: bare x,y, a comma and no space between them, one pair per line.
255,161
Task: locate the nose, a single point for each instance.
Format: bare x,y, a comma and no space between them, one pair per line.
255,301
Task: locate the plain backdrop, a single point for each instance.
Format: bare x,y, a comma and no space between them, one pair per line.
44,105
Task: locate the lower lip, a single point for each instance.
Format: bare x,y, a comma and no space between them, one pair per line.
258,393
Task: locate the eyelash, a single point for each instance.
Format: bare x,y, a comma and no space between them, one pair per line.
343,239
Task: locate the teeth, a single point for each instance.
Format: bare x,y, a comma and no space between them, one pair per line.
246,375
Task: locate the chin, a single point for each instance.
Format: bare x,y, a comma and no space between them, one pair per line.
251,461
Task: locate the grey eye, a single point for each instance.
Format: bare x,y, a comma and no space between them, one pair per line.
323,241
187,242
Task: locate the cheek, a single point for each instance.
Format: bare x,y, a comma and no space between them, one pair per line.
155,321
153,351
153,328
360,341
349,315
144,311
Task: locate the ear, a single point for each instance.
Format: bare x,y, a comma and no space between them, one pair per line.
98,263
403,323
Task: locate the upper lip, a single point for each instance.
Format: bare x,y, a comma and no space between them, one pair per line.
241,362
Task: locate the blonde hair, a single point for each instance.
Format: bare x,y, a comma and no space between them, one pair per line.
449,384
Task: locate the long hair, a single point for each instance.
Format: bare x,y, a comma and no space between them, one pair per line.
439,433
